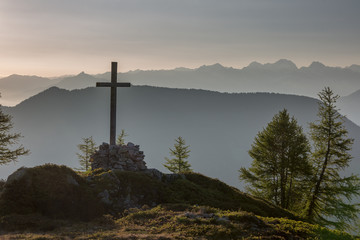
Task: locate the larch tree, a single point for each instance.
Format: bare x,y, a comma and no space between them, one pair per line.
178,164
329,202
87,148
121,138
280,164
8,151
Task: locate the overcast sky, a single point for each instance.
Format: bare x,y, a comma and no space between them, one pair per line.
55,37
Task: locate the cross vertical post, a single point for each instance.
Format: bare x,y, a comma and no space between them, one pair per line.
113,103
113,85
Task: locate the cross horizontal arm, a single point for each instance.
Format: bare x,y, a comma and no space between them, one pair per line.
109,84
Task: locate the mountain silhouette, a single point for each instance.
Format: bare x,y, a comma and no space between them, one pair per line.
282,76
15,87
219,127
354,68
82,80
349,106
281,65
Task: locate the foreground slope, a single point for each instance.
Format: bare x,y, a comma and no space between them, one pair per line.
191,206
58,192
167,223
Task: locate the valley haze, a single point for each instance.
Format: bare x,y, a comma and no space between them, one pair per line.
219,127
282,76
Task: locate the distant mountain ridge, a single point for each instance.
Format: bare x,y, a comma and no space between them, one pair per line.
17,87
80,81
349,106
282,64
355,68
219,127
282,76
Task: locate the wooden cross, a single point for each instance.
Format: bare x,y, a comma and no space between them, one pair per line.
114,84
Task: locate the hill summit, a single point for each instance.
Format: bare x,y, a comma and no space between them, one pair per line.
59,192
51,202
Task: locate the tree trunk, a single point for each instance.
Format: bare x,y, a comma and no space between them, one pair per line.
310,211
288,198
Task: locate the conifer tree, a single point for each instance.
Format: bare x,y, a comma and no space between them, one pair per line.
329,202
121,138
86,150
280,163
178,164
8,153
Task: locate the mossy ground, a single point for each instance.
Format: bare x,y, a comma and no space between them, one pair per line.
54,202
192,188
199,189
168,222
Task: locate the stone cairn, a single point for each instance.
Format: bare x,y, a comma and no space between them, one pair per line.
123,157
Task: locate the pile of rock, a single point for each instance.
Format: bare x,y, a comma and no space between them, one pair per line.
123,157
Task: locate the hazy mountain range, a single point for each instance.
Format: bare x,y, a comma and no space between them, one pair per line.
350,105
282,76
16,88
219,127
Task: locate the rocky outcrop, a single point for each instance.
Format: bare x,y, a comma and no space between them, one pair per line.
119,190
123,180
50,190
164,177
123,157
18,174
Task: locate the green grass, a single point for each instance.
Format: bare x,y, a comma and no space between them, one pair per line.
193,189
306,229
166,222
59,192
239,225
202,190
54,202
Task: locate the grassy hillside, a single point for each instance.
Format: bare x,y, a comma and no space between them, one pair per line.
173,222
54,202
58,192
191,188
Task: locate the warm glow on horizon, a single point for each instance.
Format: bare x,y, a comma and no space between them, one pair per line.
54,38
49,71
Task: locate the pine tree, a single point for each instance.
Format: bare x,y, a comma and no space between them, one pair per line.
178,164
8,153
121,138
86,150
280,163
329,202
